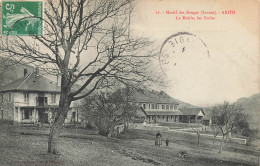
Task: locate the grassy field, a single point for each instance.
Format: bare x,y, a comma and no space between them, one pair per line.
28,146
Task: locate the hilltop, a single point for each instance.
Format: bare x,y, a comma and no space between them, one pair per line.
251,107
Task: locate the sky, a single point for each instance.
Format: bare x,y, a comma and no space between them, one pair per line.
226,69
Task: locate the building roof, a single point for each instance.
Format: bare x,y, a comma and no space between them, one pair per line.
11,70
163,113
32,82
152,97
207,112
191,111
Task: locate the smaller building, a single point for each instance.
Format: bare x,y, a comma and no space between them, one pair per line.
191,115
206,120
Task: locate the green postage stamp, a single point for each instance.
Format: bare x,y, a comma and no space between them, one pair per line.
22,18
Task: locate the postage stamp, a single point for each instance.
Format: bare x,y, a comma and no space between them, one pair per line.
22,18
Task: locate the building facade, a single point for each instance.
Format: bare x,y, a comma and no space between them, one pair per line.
160,107
192,115
32,99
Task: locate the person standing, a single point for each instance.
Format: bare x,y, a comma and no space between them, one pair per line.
158,138
167,142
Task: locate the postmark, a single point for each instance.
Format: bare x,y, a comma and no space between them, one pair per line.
22,18
176,46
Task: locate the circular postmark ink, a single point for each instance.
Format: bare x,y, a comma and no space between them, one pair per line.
176,46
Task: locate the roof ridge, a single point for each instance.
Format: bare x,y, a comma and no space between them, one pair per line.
24,80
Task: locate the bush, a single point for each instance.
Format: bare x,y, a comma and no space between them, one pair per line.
90,127
103,133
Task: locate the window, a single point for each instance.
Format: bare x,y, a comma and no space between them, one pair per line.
171,107
107,95
26,97
2,98
10,97
41,101
2,114
175,107
53,98
27,114
73,115
163,107
153,106
144,106
167,107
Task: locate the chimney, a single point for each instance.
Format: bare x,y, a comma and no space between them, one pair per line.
58,79
24,72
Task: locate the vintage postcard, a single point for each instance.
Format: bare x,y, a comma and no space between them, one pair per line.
130,82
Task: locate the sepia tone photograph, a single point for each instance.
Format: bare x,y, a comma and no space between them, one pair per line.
129,82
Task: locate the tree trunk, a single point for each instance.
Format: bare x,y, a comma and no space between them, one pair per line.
215,134
214,138
55,131
198,133
125,125
221,144
56,127
228,137
110,132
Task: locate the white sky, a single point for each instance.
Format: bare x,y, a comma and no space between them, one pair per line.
231,71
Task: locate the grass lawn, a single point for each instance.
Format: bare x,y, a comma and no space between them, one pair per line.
28,146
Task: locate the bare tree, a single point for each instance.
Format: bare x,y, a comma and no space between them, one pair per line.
216,132
107,111
197,131
88,43
228,118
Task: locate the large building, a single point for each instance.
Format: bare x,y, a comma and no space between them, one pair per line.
32,99
160,107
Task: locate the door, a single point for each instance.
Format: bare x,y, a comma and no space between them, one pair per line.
43,116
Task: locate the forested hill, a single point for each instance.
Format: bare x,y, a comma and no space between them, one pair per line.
251,107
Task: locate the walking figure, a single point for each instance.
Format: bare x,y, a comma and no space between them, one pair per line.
158,139
167,142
